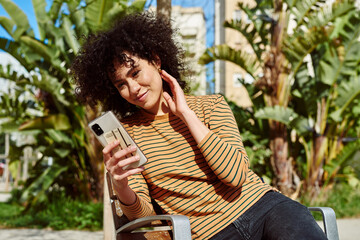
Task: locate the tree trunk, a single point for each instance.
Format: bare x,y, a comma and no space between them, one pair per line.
164,8
282,166
275,83
315,175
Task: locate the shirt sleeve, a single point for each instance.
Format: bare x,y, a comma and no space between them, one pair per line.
222,147
142,206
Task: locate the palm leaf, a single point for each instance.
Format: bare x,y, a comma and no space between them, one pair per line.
249,32
7,24
327,14
48,52
40,48
18,17
302,9
277,113
296,49
55,8
70,35
42,183
77,16
96,11
347,93
333,166
59,136
345,59
41,16
12,48
57,122
239,57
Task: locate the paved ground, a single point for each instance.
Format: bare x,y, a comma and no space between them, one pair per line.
349,229
40,234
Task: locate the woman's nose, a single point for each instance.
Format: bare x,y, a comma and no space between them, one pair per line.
134,86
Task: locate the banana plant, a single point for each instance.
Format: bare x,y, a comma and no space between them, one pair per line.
323,104
52,113
282,36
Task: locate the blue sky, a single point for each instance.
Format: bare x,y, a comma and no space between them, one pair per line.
207,5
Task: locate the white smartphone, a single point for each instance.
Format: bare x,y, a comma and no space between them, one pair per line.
107,128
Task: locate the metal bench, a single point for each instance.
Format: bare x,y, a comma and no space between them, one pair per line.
177,227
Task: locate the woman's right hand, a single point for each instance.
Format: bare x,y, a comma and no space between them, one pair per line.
115,163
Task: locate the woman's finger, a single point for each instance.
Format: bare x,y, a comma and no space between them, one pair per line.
127,161
107,150
169,100
119,155
127,173
169,79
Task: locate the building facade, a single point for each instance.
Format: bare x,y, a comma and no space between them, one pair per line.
227,74
191,26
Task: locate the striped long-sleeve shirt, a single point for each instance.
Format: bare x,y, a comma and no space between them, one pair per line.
210,182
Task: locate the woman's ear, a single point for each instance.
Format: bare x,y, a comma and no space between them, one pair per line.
157,62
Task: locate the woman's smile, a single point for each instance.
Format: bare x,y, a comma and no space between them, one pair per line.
142,97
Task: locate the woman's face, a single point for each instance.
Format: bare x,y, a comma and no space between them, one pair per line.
140,84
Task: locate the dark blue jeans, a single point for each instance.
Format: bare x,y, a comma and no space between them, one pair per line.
274,216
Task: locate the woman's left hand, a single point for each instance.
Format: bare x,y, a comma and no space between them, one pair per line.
177,103
179,107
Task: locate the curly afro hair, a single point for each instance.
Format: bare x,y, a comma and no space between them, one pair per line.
143,35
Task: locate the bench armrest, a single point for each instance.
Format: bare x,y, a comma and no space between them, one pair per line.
181,225
329,220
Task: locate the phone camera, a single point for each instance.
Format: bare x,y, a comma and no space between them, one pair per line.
97,129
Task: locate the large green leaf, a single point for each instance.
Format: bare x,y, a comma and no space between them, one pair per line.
346,154
42,183
239,57
347,93
298,47
96,12
342,60
55,8
301,10
277,113
13,48
7,24
18,17
57,122
77,17
328,13
41,16
52,86
249,32
8,125
59,136
70,35
40,48
49,53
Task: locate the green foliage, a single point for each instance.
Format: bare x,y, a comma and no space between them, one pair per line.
343,198
42,103
2,143
307,77
59,213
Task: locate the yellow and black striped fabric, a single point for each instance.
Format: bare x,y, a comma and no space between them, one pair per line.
210,182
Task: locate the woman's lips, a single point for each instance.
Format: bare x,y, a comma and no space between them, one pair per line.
142,97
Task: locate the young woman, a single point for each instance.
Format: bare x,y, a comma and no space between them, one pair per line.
197,165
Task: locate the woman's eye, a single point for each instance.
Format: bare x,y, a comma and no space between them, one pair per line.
135,73
119,85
